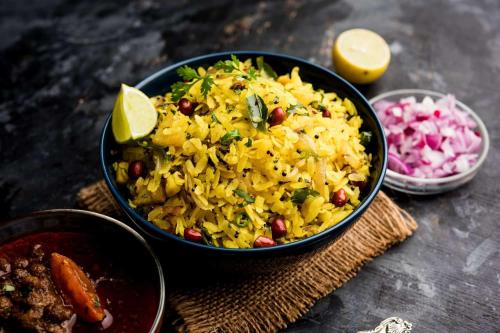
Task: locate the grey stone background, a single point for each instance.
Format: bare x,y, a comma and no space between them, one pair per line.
61,63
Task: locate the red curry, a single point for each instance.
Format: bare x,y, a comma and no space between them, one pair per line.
123,276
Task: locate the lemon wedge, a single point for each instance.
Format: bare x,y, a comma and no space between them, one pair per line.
361,55
134,115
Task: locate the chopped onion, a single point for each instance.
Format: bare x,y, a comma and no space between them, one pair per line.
429,139
68,324
107,321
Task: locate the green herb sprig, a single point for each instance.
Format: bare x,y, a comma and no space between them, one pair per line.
233,65
190,77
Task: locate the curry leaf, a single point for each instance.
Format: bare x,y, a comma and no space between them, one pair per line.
207,238
244,195
249,142
257,111
230,136
266,68
300,195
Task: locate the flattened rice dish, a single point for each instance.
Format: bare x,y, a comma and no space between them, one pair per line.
241,157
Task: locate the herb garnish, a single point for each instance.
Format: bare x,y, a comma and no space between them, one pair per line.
190,77
294,108
266,68
249,142
300,195
207,238
215,119
247,197
230,136
257,111
365,137
228,66
242,220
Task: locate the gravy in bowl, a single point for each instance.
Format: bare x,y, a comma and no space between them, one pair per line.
117,292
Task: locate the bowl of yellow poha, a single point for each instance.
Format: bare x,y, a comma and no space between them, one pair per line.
253,155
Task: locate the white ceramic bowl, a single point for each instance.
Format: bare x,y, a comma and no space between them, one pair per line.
424,186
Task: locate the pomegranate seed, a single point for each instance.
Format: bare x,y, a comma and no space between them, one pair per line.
277,116
193,235
136,169
278,227
339,198
326,113
263,241
437,113
185,107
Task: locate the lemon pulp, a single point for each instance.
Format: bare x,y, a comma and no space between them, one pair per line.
134,115
361,55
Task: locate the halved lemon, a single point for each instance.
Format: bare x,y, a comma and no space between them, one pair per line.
360,55
134,115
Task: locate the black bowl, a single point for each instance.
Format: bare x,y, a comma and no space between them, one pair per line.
320,77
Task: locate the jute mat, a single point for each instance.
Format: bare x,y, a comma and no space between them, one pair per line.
267,303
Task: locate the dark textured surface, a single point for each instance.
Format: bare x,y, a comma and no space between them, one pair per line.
61,63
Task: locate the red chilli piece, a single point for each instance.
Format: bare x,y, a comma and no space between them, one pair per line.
277,116
193,235
278,227
339,198
263,241
326,113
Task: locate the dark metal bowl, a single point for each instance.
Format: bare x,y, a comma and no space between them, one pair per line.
88,222
320,77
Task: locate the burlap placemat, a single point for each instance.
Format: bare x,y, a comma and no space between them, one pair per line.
267,303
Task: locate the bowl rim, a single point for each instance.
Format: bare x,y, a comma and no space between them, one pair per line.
395,176
133,215
161,278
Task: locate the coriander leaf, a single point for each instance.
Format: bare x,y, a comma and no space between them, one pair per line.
235,60
252,74
365,137
230,136
249,142
257,111
187,73
242,220
179,89
266,68
206,85
226,66
294,108
300,195
214,118
242,194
